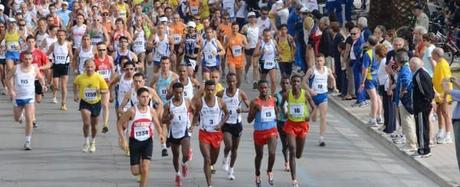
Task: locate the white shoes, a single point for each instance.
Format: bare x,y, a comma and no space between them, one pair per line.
92,147
85,148
226,163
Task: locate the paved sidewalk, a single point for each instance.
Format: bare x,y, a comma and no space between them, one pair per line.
441,167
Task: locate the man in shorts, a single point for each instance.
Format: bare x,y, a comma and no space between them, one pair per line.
210,113
235,57
89,89
142,120
262,111
22,91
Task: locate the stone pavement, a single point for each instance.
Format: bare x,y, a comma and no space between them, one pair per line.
441,167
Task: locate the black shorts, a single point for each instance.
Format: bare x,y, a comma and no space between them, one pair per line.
187,63
262,69
176,49
176,141
286,68
209,69
94,109
249,52
140,150
234,129
38,88
60,70
2,61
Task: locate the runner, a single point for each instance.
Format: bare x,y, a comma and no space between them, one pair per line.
83,53
161,83
251,31
232,97
319,77
106,68
120,30
177,116
286,45
177,28
263,112
282,119
124,84
12,42
139,34
98,32
142,119
90,90
211,113
235,57
188,83
211,53
162,46
22,91
296,127
191,46
78,31
62,55
267,50
123,51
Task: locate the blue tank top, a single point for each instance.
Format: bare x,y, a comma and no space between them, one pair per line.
162,86
266,117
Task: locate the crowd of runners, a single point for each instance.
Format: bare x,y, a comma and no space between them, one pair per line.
178,68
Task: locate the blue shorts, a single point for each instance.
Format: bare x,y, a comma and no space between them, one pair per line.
319,98
10,55
370,84
24,102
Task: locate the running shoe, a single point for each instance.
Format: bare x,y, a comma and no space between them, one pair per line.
27,146
178,181
164,152
270,178
287,167
448,138
185,171
64,107
231,176
225,164
322,143
380,121
35,124
105,129
258,181
92,147
85,148
138,178
295,183
213,171
54,100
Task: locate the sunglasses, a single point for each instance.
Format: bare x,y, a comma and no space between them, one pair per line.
22,25
129,69
353,34
137,80
101,49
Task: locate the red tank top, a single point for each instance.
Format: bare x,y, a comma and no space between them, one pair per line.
104,67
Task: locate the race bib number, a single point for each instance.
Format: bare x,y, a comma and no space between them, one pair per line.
210,60
23,82
142,132
12,46
179,125
105,73
176,38
269,65
236,51
163,92
233,115
194,10
210,122
90,94
268,114
297,110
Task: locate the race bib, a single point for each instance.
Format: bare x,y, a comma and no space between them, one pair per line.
233,115
194,10
23,83
269,65
12,46
163,92
105,73
179,125
176,38
267,114
142,132
236,51
210,122
90,94
297,110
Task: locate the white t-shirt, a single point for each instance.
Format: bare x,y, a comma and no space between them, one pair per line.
382,75
283,14
426,59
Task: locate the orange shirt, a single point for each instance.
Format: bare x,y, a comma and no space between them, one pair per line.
226,29
177,30
235,48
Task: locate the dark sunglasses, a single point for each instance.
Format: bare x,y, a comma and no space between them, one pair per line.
101,49
353,34
129,69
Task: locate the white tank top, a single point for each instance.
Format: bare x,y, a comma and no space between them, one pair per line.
61,53
162,49
141,127
229,6
24,83
188,90
180,121
40,39
77,33
319,84
83,56
253,36
268,51
233,103
49,41
209,58
210,116
124,86
139,42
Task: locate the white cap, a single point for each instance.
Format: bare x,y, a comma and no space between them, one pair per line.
11,20
2,7
305,9
191,24
163,19
65,3
251,14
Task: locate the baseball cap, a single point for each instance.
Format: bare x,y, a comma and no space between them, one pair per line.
251,14
2,7
191,24
65,3
11,20
304,9
163,19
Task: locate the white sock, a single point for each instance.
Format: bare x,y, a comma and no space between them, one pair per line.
86,139
28,138
93,140
321,138
178,174
230,170
163,146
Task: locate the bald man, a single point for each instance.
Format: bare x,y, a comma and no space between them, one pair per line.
423,93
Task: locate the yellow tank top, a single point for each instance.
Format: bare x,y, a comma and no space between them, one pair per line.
285,50
297,109
204,9
136,2
12,41
122,10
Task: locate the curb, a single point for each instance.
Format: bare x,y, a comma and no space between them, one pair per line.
438,179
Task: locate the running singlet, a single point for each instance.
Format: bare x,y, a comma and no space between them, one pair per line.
24,83
124,86
162,86
268,51
96,35
176,31
77,33
90,87
83,56
139,42
141,127
191,44
297,109
319,82
122,10
12,41
210,116
285,50
194,7
252,34
133,99
233,104
180,121
210,50
266,117
235,50
61,53
104,67
161,48
188,89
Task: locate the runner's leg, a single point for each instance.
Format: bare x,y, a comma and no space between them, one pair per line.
291,139
206,152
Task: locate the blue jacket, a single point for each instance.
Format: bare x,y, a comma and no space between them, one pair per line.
404,82
358,49
366,33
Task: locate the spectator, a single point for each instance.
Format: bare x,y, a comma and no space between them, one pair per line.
384,83
423,93
380,32
442,99
355,60
327,41
418,41
421,19
365,31
346,58
456,113
339,70
428,62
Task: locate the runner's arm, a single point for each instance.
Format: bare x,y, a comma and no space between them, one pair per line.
121,124
196,113
74,63
10,76
252,112
223,106
124,102
310,103
245,100
157,123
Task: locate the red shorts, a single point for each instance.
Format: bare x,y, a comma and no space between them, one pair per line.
211,138
297,129
262,137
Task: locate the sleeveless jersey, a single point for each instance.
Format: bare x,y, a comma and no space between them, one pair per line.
210,116
163,85
268,54
162,48
210,47
233,103
124,86
141,127
191,44
77,33
24,83
83,56
104,67
297,109
266,117
140,41
12,41
319,81
252,34
61,53
180,121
